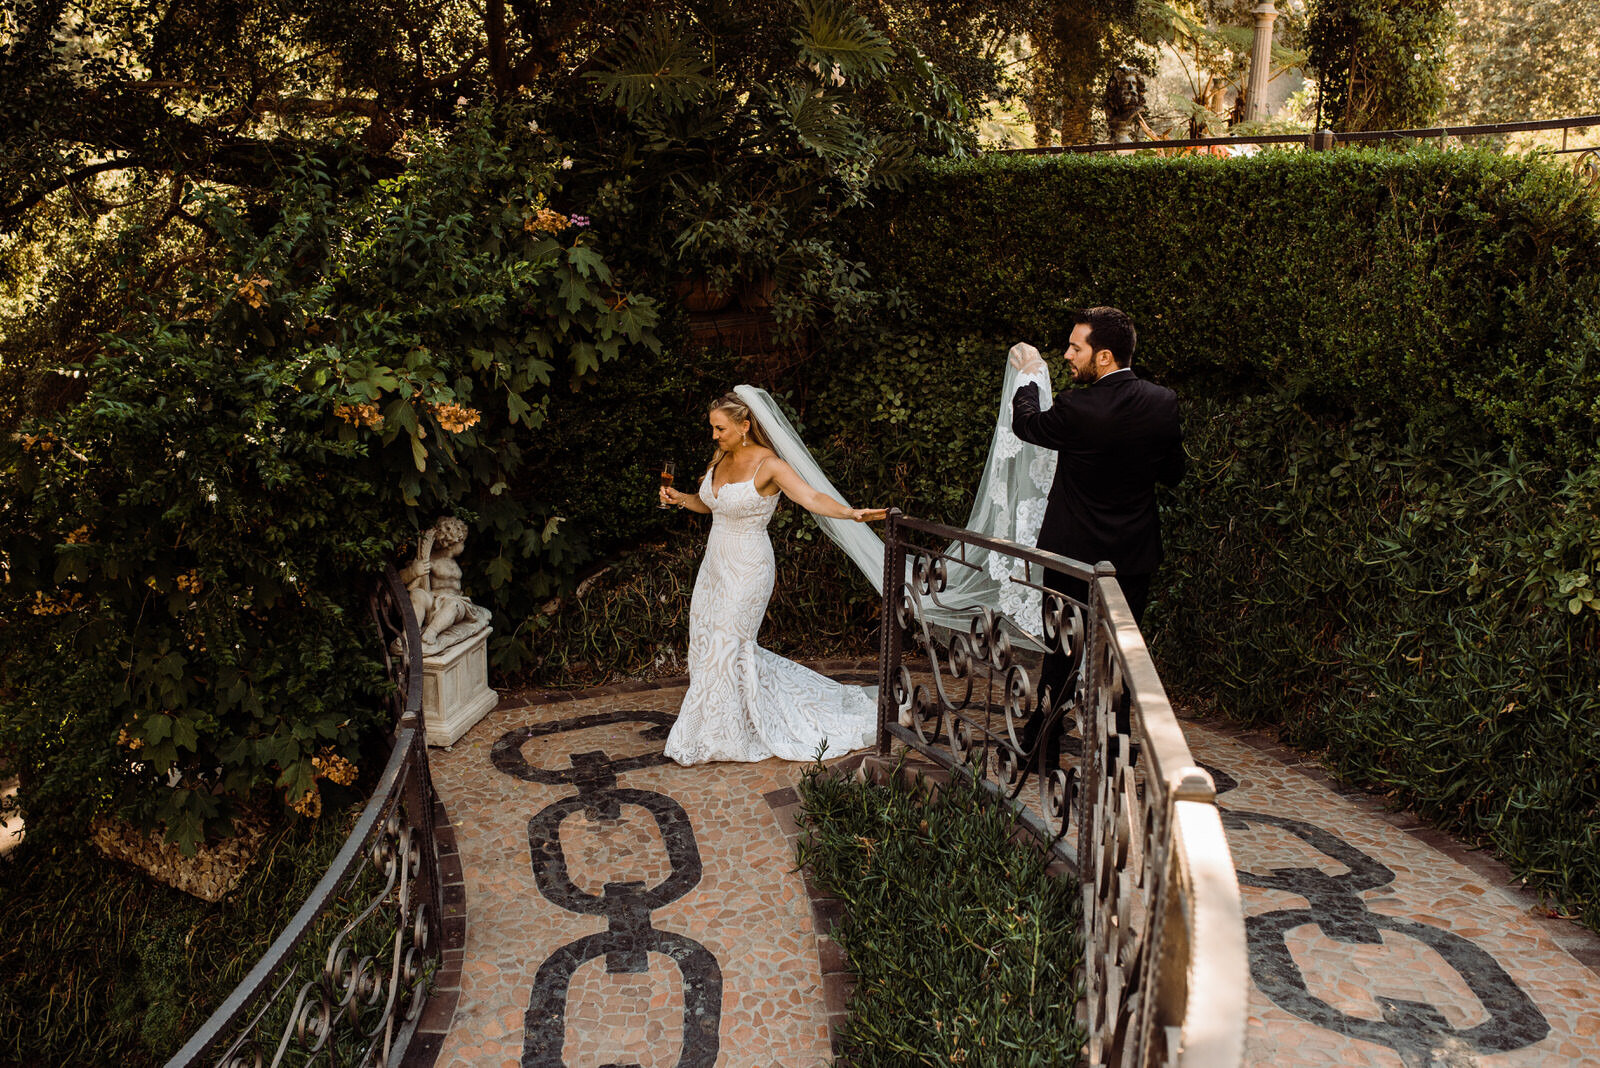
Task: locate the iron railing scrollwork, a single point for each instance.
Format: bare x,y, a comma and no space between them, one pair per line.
1166,972
1587,167
345,981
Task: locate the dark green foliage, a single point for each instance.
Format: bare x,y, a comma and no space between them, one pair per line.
964,949
1420,609
739,140
1390,363
1427,285
1379,63
104,966
189,542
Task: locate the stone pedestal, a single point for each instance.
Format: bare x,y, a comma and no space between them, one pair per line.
455,689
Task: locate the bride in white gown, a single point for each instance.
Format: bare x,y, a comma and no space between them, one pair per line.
744,702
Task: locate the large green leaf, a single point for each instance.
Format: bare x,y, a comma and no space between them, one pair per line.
655,70
817,124
931,101
835,38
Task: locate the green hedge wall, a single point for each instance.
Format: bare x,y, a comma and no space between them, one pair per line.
1388,543
1421,281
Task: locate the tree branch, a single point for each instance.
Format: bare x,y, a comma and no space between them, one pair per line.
271,103
33,198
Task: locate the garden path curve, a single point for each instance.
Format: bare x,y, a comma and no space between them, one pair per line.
616,909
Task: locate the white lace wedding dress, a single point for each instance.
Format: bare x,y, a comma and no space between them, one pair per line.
744,702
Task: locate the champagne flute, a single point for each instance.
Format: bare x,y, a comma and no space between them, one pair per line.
668,470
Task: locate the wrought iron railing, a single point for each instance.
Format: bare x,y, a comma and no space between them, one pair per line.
1167,977
345,981
1321,140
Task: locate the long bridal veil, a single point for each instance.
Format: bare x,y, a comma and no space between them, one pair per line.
1010,504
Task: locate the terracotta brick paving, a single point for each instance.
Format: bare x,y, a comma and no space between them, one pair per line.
694,928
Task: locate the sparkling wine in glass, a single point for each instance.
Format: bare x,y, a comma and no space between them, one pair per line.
668,470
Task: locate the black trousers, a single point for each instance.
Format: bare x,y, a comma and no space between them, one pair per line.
1058,677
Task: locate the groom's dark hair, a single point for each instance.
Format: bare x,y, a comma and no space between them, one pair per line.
1109,328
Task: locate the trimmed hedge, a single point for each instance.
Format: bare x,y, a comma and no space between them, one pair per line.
1427,284
1389,542
1404,603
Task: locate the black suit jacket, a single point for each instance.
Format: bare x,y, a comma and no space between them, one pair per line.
1115,440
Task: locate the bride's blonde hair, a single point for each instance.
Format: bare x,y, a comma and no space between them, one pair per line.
739,412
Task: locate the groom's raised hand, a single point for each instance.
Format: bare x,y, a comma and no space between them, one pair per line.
1025,358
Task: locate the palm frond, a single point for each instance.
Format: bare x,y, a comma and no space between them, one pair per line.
654,69
835,38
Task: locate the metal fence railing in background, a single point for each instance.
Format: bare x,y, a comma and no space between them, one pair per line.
1167,976
345,981
1587,164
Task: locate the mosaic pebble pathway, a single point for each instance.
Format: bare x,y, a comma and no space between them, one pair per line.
1376,940
620,910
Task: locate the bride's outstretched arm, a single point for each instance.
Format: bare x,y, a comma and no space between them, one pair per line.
801,493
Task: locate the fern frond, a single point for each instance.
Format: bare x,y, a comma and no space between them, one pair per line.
656,69
834,37
1169,24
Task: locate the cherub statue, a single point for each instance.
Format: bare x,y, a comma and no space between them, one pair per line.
445,614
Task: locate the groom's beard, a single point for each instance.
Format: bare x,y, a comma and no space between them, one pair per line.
1085,376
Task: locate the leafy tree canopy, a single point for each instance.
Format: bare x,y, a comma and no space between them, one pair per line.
285,280
112,112
1379,63
1513,60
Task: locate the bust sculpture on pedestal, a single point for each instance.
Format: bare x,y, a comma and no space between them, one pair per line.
1124,103
455,635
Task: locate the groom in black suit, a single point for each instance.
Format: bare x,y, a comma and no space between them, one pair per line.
1114,441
